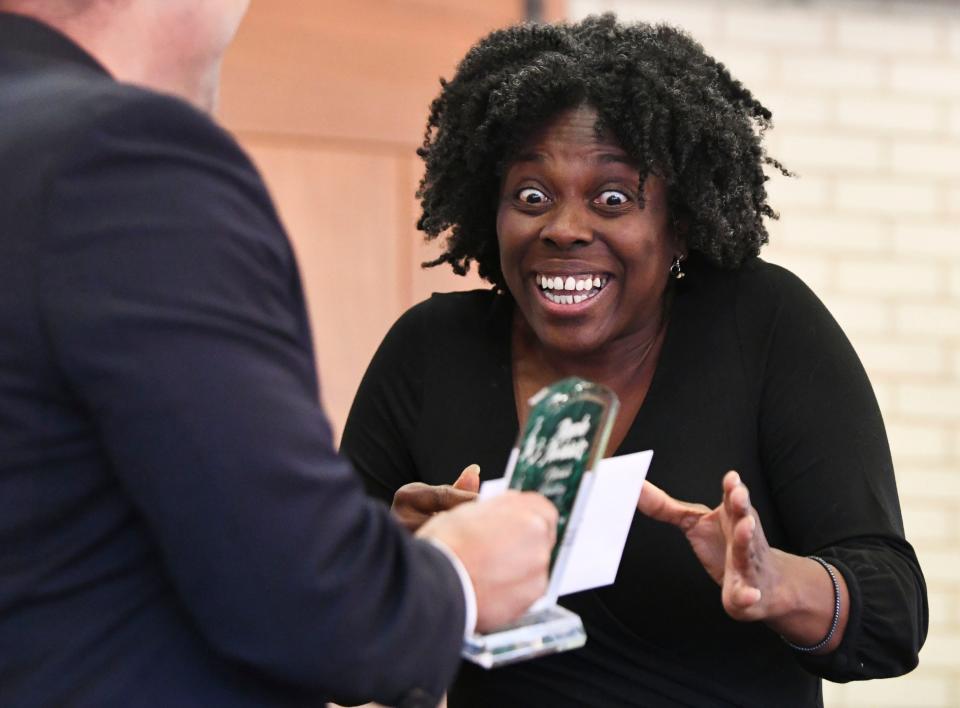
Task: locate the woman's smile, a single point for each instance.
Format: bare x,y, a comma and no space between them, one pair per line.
566,290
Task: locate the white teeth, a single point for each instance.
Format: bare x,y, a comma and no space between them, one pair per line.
566,299
556,288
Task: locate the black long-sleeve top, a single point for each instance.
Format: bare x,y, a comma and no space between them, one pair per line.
754,375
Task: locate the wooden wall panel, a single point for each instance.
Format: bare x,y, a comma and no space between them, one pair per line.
439,279
359,70
341,209
331,100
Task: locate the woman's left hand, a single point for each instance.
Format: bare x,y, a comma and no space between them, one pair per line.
729,542
416,503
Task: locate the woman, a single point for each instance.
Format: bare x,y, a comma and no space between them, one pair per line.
608,181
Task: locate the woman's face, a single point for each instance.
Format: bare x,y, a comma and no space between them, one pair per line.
586,264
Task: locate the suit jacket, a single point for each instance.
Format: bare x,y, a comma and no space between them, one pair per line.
175,526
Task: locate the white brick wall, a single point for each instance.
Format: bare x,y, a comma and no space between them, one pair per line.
926,78
927,158
890,196
823,71
896,36
805,150
884,115
866,102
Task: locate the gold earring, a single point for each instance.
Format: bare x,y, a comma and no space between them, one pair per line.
676,269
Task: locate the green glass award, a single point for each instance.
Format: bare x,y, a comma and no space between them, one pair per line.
564,437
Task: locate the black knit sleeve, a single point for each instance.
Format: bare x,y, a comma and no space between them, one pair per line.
824,451
385,412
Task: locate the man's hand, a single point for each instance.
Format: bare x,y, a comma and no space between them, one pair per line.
414,503
505,545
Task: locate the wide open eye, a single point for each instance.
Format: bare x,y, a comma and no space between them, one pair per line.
612,198
531,195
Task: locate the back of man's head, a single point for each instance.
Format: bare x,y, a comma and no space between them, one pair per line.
174,46
47,8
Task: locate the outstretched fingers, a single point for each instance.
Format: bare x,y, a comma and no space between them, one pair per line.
736,497
745,548
743,562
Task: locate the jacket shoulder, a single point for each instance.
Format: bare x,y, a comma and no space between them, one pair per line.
60,108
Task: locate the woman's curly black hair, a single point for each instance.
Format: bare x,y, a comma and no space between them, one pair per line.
675,111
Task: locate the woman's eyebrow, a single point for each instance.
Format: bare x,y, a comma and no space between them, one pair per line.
601,158
530,156
615,158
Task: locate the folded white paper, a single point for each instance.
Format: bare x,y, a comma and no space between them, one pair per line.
492,487
599,525
600,536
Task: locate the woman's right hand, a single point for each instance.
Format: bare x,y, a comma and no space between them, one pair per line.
790,593
415,503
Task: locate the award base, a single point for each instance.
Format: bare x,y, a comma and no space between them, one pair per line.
537,633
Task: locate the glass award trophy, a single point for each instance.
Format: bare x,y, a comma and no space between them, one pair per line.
564,437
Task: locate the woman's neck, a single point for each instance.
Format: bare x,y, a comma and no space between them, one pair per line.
625,366
617,365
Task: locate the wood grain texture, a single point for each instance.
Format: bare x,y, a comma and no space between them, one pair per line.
331,100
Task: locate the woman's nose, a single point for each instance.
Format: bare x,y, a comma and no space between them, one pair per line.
568,226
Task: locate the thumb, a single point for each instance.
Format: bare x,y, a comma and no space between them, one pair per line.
469,479
657,504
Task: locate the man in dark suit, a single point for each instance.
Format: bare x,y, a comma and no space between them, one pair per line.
175,526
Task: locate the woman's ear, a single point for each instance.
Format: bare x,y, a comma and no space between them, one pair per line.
678,232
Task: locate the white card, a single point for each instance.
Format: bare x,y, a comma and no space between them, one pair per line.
601,534
597,539
492,488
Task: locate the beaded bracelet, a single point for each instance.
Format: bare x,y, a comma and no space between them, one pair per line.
836,612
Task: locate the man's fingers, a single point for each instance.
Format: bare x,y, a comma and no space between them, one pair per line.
658,505
505,544
469,479
547,513
542,513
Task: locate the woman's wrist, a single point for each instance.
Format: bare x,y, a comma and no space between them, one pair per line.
834,622
809,607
